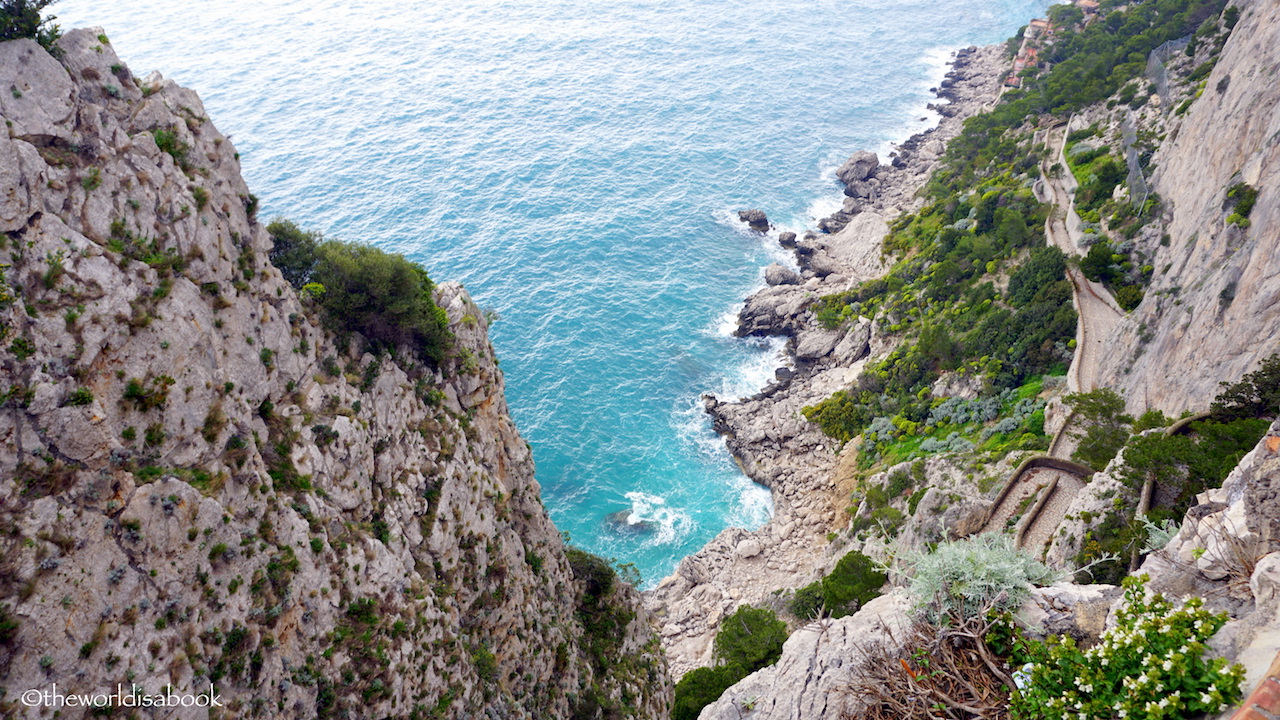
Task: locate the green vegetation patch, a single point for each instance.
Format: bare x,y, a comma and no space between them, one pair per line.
969,578
23,19
383,297
748,640
855,581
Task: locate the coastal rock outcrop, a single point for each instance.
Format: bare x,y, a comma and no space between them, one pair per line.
860,166
755,219
972,83
767,433
201,484
777,274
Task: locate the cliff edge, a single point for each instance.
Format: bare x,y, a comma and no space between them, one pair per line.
200,483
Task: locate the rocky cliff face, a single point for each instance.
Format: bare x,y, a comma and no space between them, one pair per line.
1213,310
199,484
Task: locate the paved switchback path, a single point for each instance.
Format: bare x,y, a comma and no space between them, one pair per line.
1097,311
1097,316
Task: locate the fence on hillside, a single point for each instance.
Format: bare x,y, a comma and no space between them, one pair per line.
1157,67
1138,190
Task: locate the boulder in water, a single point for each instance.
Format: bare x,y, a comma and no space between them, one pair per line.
755,218
776,274
859,167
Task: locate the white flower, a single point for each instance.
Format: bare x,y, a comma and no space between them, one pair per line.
1207,699
1023,675
1168,665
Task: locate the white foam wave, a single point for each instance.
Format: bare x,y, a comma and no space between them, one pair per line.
727,322
938,62
827,205
756,371
669,524
693,427
753,506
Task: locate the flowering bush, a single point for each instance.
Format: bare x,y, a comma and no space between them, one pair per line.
1151,665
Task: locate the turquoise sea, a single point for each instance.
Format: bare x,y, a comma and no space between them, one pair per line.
577,165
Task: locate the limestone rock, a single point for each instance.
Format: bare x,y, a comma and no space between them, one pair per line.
777,274
860,166
1216,285
774,310
1066,608
37,101
817,663
812,344
756,219
201,478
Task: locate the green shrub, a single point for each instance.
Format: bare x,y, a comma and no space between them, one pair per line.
1186,465
1151,665
168,142
1102,413
855,581
1256,395
751,637
485,664
21,19
968,578
383,297
701,687
807,601
1243,197
1129,297
1152,418
8,625
1046,265
1097,264
148,395
217,552
748,640
80,396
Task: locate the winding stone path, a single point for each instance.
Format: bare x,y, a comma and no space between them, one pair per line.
1097,317
1096,309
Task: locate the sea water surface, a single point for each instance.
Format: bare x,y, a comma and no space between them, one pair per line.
578,165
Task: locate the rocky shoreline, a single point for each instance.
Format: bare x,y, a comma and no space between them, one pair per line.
766,434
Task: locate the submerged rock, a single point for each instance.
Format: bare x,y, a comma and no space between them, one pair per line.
627,522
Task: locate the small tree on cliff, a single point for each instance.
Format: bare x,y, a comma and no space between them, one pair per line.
21,19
